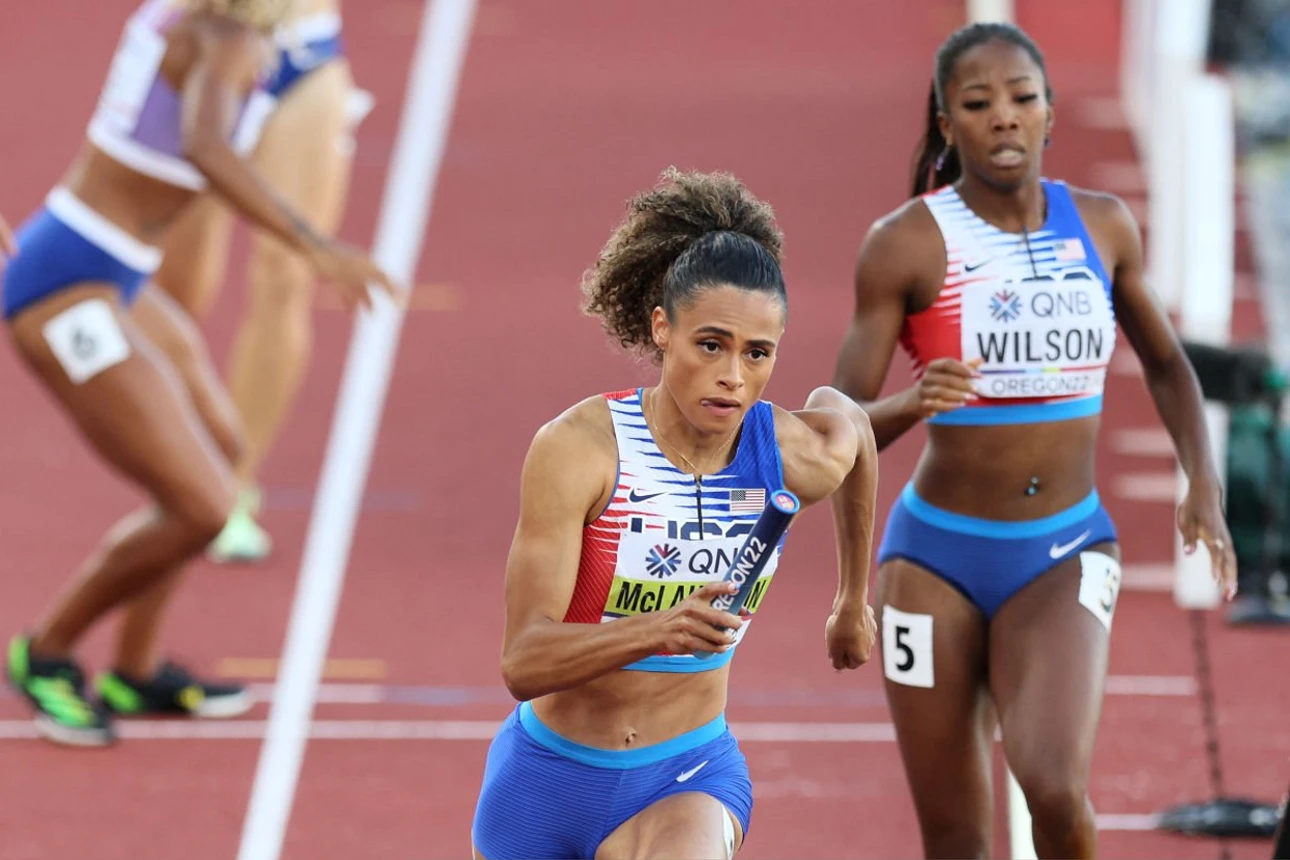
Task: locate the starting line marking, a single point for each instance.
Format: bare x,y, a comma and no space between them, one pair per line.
1127,822
336,668
1150,685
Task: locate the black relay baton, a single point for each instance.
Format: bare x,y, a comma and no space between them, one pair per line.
756,551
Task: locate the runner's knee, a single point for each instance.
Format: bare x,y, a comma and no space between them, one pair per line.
203,511
1054,793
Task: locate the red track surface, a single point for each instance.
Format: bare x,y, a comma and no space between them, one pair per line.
563,114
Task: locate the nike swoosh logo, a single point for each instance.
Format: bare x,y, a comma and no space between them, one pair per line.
1058,550
973,267
689,773
635,496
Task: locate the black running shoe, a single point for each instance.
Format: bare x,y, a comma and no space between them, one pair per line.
173,690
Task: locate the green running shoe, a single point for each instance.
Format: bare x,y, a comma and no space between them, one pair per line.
56,689
242,539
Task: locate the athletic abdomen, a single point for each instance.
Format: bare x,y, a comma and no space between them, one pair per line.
985,470
647,707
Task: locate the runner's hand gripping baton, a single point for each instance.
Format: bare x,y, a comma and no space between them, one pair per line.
757,549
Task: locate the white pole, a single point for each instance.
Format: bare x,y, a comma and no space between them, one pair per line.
1137,59
1180,37
1208,275
990,10
405,209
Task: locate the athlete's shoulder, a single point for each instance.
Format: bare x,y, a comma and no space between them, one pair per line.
808,425
586,422
566,450
1092,197
791,431
907,222
1100,205
902,249
1106,214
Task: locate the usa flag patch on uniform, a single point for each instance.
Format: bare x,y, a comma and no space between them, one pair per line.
747,501
1067,250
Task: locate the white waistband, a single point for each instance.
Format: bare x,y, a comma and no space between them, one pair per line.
93,227
170,169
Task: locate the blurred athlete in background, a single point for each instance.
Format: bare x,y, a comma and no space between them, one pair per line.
183,105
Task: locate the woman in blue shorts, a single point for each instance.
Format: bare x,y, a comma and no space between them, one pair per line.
999,567
631,505
183,104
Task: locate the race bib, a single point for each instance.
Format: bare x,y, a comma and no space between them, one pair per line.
1045,337
86,339
653,573
1099,585
907,652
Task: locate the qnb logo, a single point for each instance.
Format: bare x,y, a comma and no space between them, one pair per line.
662,560
748,561
1005,305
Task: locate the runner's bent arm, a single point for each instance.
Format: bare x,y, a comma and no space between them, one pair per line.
224,71
899,252
834,454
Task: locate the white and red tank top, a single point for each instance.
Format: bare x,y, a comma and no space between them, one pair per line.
664,535
1036,307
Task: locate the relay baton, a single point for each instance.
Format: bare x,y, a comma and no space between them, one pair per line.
756,551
